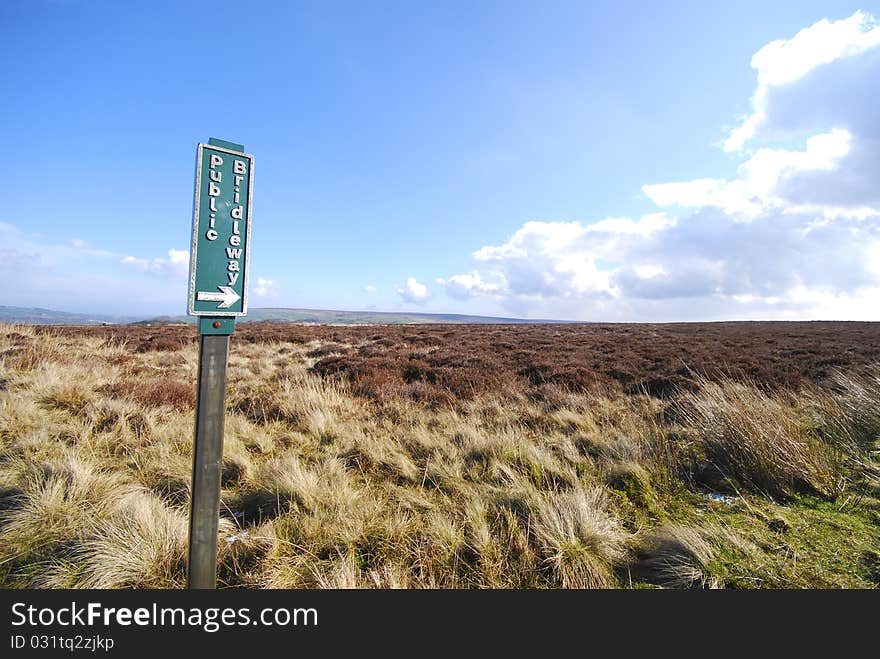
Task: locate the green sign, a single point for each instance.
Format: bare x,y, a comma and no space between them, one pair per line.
218,267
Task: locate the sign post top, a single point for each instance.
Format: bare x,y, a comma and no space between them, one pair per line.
232,146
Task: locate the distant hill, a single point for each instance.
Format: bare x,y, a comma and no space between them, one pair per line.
36,316
373,317
324,316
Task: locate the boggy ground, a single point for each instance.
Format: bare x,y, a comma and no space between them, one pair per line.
699,455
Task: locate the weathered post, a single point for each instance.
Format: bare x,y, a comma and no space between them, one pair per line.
217,294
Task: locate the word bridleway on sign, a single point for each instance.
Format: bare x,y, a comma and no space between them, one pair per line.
221,226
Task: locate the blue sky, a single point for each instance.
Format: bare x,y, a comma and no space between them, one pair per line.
576,160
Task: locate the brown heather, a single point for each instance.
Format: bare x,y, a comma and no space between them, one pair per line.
526,456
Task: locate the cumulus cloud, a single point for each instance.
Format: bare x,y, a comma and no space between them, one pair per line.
786,61
265,288
794,234
413,292
468,285
369,288
761,181
175,265
557,259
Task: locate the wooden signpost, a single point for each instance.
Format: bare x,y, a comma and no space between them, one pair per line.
217,294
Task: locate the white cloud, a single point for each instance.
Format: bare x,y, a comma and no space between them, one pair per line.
369,288
175,265
556,259
795,234
785,61
704,265
77,276
178,257
758,185
721,193
140,264
265,288
413,292
649,270
468,285
87,248
647,225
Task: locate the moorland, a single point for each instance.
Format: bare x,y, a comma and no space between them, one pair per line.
739,455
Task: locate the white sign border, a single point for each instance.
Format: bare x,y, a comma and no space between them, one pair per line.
195,234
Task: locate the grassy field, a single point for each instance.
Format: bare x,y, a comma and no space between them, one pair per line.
724,455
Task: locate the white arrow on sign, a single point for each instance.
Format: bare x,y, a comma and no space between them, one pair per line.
227,297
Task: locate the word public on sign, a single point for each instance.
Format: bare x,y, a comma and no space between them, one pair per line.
221,228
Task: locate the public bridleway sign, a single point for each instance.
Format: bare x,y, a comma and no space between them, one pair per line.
218,279
221,227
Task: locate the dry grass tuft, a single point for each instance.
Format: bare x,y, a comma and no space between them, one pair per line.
679,557
142,546
759,441
578,537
